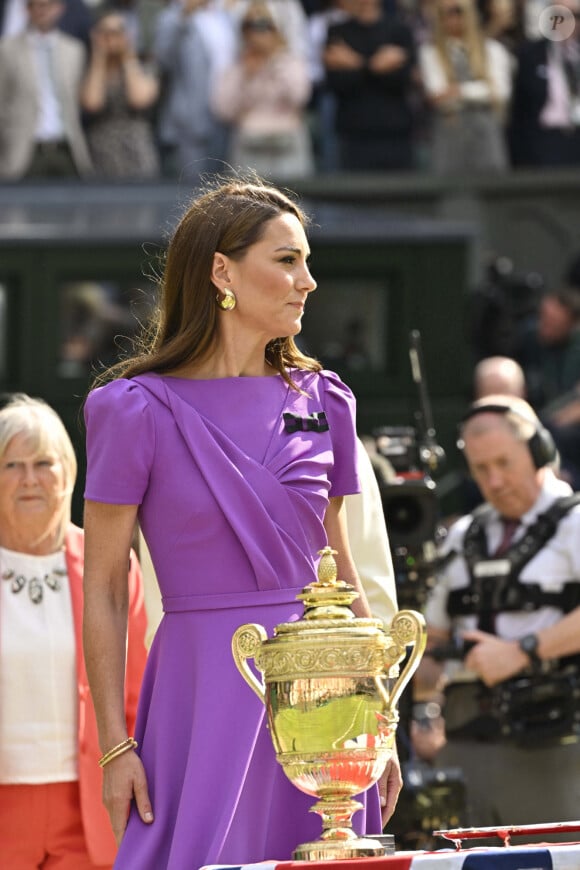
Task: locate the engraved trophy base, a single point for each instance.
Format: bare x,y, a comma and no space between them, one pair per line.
338,841
334,850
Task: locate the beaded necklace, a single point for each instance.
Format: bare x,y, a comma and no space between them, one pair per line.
35,584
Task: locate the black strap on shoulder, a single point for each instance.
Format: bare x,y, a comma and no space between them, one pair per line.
499,594
475,529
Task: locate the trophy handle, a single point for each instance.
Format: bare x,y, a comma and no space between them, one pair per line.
246,643
407,628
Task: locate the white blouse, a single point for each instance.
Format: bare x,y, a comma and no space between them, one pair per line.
38,685
556,564
499,64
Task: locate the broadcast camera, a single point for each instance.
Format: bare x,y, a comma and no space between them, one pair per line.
534,708
409,493
431,797
501,309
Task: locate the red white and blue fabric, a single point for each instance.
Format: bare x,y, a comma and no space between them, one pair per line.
541,857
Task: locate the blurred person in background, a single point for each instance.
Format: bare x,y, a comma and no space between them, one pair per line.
545,113
531,11
550,353
50,781
75,18
369,60
503,21
467,78
492,375
139,17
323,101
40,119
93,320
117,96
506,606
498,374
551,360
193,41
263,96
289,17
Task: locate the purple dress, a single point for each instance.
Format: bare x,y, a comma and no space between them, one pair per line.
232,477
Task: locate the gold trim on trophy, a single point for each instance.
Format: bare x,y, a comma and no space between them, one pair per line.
330,683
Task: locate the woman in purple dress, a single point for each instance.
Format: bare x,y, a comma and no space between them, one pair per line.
234,452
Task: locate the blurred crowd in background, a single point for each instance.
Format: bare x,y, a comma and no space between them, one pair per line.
142,89
152,89
525,338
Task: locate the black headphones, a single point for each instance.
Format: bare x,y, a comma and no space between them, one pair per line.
541,444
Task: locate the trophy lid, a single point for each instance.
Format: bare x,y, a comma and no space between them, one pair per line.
327,601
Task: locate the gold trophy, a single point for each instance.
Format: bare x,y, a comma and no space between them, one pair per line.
330,683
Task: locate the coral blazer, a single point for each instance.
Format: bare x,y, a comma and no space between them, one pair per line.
97,826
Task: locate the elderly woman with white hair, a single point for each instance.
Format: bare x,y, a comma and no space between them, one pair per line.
50,780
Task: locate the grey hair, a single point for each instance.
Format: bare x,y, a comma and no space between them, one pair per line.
44,429
519,417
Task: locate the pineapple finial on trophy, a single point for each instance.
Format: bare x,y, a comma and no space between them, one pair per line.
327,570
328,597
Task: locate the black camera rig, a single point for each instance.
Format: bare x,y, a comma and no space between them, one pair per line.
409,493
502,308
531,709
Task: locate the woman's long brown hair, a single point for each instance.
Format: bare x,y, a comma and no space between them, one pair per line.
229,218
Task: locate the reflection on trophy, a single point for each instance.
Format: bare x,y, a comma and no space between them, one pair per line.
330,683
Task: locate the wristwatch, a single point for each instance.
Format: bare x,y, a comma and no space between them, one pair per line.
529,644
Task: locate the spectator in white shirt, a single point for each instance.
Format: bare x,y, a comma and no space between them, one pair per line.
467,79
40,118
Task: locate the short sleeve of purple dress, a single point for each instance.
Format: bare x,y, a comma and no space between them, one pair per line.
232,477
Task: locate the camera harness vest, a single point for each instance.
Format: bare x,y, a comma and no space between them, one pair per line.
494,585
530,710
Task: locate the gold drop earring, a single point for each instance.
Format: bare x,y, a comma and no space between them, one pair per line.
228,301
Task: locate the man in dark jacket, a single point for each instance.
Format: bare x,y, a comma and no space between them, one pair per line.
545,114
369,60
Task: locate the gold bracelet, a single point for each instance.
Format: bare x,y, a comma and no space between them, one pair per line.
119,749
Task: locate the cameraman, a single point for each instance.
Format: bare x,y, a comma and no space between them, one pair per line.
508,594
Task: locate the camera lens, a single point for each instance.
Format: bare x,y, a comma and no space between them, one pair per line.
405,514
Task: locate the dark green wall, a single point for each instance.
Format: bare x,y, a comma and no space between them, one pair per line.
51,235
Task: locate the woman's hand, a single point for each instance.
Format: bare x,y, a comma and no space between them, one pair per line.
253,61
390,784
124,780
99,45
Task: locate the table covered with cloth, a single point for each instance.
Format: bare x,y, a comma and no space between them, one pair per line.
542,856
